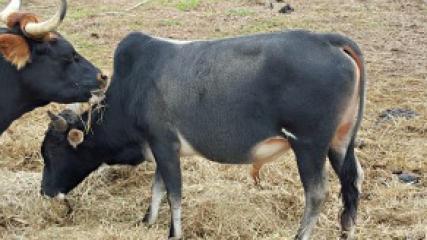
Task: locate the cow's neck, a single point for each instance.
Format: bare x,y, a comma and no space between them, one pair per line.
111,129
13,108
13,102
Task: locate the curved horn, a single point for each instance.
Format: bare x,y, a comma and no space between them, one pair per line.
40,29
13,6
58,123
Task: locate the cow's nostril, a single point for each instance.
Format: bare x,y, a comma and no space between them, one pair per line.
103,80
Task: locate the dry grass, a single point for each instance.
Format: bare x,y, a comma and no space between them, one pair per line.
220,202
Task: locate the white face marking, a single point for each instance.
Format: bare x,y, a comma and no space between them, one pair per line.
60,196
178,42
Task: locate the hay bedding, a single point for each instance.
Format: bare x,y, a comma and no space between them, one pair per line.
220,202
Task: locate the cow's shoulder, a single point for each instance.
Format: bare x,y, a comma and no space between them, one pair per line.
132,42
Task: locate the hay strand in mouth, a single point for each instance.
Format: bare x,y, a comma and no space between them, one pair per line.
88,124
99,108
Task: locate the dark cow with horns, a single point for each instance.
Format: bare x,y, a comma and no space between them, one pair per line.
238,101
38,66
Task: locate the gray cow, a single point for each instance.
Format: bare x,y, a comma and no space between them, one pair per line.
244,100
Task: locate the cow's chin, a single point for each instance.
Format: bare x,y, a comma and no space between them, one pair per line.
97,97
80,108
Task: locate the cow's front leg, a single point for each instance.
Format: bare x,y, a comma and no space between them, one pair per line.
168,165
158,192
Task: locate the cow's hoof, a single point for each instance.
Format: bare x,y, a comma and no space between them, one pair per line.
347,235
300,236
144,221
140,222
175,238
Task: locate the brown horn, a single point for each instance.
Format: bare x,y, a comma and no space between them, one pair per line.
40,29
58,123
13,6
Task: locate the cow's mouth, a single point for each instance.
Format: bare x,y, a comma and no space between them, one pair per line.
97,96
61,199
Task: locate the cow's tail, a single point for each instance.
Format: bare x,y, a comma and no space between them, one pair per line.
351,173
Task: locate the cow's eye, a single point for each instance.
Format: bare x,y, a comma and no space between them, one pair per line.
73,58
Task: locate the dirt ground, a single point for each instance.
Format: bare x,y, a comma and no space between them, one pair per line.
221,202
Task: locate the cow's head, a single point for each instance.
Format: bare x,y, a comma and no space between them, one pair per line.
46,65
70,155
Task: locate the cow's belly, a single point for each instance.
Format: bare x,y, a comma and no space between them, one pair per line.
260,153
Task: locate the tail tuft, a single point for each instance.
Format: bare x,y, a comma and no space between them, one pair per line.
350,178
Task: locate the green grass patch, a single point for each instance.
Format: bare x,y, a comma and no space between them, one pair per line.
81,12
241,12
170,22
187,5
265,25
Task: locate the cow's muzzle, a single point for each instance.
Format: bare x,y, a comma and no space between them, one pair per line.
103,81
99,94
60,197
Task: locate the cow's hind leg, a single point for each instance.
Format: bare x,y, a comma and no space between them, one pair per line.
350,173
158,192
311,156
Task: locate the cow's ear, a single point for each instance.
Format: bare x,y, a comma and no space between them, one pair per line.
15,49
75,137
